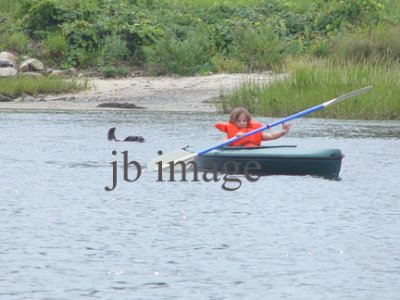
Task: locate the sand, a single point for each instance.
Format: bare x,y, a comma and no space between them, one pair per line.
198,93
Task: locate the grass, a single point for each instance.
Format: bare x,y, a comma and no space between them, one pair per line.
213,3
311,83
16,86
8,6
238,3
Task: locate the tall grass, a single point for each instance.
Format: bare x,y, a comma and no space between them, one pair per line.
213,3
16,86
238,3
8,6
309,84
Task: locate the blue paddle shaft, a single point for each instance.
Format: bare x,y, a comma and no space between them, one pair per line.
268,126
297,115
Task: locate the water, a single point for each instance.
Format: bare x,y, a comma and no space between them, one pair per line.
64,237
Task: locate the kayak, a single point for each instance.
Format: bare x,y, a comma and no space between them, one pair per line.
273,160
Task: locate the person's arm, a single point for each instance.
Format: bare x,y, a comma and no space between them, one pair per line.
277,134
239,134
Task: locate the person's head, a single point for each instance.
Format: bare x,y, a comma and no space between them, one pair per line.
240,117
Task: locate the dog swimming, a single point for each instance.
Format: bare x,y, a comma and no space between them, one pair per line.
131,138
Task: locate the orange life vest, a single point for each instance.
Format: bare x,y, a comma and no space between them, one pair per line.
231,130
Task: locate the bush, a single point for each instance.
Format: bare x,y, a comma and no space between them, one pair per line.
110,71
114,50
55,47
40,16
201,34
17,42
259,48
222,63
183,56
379,45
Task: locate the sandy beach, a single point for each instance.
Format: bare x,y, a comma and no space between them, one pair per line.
197,93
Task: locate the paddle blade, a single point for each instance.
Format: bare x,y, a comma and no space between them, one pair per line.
346,96
174,157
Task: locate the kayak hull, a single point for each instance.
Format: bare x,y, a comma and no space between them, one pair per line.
273,160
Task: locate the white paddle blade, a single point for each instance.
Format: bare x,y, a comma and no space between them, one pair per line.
173,157
349,95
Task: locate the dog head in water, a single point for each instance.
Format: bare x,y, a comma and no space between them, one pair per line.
131,138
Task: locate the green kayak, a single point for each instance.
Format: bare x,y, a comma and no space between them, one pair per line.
273,160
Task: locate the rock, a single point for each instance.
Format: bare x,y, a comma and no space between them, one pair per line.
58,73
24,67
4,98
63,73
11,58
60,99
120,105
27,98
71,71
5,72
32,74
34,64
5,64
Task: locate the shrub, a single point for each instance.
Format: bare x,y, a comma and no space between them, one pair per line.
184,56
223,63
377,45
110,71
55,47
17,42
40,16
114,50
79,57
259,48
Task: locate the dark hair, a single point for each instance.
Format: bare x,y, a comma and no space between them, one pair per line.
237,112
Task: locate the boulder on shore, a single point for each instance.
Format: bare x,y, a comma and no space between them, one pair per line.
4,98
8,71
9,65
31,64
10,58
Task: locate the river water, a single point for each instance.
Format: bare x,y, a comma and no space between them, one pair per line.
283,237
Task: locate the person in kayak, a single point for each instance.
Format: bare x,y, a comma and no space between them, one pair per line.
240,122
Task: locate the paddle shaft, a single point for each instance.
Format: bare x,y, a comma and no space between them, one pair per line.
284,120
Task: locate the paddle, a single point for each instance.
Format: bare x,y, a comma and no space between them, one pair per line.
185,156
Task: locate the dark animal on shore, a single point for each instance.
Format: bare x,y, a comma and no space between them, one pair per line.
131,138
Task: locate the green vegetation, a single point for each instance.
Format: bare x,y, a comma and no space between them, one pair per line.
111,71
184,37
188,37
360,58
15,87
309,83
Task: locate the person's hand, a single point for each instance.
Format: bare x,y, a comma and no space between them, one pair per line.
240,134
286,127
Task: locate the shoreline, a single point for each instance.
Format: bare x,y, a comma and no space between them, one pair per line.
195,93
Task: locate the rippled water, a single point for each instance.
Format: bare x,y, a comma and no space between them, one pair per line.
64,237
